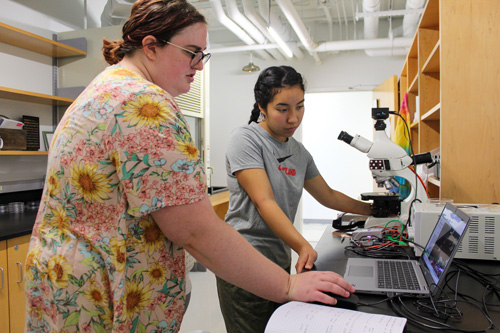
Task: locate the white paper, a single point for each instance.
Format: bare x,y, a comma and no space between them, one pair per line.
295,317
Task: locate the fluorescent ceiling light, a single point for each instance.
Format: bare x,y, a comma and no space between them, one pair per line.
280,42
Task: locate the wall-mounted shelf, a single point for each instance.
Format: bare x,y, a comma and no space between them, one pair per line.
32,97
55,49
22,152
26,40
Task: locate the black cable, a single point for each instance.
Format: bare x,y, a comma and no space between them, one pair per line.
443,326
378,302
412,155
391,253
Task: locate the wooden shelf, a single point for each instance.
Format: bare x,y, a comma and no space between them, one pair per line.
432,114
433,180
27,96
26,40
432,63
22,152
457,86
414,85
430,17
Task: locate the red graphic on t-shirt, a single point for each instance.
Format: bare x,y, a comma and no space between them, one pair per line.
287,171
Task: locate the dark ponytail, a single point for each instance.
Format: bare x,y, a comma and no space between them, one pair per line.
270,82
254,117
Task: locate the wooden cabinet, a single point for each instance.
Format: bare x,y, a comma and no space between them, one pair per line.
4,288
452,77
220,203
26,40
12,296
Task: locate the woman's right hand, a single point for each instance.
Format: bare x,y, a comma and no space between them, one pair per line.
307,257
311,287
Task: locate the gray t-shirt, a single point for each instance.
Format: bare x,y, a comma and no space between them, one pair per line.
287,164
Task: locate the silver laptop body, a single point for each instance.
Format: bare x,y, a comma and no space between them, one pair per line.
430,269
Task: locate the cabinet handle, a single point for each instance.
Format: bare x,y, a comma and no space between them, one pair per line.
3,280
20,271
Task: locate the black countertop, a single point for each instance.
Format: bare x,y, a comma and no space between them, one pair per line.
333,257
15,225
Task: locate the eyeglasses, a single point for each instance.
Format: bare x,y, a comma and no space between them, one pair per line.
196,56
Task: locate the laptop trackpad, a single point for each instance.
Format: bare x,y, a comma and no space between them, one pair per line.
363,271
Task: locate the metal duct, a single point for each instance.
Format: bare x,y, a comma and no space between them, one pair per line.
228,23
410,21
400,51
259,22
364,44
370,25
247,26
298,26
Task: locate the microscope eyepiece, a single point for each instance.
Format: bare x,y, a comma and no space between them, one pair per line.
356,141
344,136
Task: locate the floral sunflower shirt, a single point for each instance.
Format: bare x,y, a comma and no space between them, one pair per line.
97,259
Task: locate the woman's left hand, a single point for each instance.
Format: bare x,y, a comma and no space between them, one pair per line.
307,257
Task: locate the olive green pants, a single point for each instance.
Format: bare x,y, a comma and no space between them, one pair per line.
243,312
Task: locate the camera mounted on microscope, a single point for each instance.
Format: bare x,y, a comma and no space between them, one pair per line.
380,115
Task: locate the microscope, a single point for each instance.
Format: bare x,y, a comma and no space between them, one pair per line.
388,160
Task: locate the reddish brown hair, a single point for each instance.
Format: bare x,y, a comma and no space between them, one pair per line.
162,19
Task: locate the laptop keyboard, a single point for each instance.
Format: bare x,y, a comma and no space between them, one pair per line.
397,275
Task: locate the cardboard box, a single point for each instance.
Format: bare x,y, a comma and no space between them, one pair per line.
13,139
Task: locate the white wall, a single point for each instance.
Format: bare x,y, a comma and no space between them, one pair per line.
343,167
231,95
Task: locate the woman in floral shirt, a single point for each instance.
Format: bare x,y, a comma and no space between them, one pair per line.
125,194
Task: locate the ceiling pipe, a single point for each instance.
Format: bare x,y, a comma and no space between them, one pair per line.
390,13
400,51
410,21
370,29
228,23
283,29
244,48
283,46
271,19
376,47
298,26
235,14
329,19
264,10
258,21
363,44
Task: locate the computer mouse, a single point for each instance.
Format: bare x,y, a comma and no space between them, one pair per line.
350,302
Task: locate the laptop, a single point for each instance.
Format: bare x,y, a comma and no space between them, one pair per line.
422,278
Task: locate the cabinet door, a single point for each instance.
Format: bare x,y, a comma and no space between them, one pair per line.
4,289
17,250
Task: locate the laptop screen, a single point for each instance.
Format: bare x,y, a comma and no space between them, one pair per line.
443,244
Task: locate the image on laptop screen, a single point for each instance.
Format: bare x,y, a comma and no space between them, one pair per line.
443,243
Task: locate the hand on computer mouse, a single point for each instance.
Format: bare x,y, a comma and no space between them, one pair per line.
350,302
